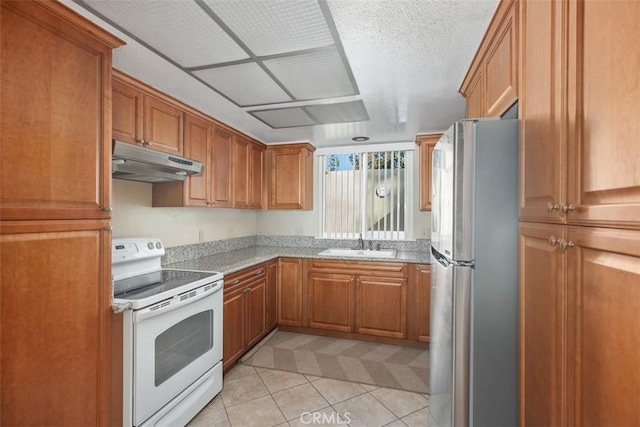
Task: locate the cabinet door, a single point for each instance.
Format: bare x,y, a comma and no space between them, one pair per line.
197,146
233,340
272,295
423,302
604,125
475,95
222,155
542,141
240,172
291,178
256,172
290,291
163,125
54,150
331,301
542,312
427,143
381,306
55,314
604,275
127,112
255,300
500,66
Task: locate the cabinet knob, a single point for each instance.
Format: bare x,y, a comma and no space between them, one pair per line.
108,209
564,245
552,207
140,141
148,143
109,228
553,240
564,208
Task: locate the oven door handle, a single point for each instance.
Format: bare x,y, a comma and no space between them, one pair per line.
174,304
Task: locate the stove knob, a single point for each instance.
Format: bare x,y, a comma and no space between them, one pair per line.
158,245
150,245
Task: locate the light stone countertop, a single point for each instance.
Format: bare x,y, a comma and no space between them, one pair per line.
232,261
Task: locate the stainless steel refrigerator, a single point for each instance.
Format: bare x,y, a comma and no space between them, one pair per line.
474,280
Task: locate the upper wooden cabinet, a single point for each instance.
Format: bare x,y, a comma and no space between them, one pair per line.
426,144
491,84
579,153
290,176
141,116
256,176
55,149
248,161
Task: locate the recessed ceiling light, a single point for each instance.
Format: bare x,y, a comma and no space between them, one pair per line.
360,138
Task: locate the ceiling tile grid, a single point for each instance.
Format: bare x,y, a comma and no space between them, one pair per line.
284,117
270,27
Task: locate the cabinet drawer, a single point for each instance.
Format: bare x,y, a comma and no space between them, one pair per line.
388,269
240,278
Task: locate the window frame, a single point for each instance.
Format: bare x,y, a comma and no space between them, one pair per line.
409,148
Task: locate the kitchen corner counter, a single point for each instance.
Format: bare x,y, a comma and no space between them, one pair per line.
232,261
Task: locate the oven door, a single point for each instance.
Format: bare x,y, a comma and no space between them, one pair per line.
174,344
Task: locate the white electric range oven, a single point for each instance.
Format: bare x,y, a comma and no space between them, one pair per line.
172,334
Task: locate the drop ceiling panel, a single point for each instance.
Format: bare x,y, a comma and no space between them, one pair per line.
284,117
314,75
273,27
180,30
339,113
245,84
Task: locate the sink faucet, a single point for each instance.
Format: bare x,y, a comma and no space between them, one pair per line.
361,242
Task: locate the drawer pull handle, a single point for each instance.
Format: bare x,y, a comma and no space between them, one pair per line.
258,272
234,282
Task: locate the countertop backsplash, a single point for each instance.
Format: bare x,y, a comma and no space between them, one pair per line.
199,250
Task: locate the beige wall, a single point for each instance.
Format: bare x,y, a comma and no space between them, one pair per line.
134,216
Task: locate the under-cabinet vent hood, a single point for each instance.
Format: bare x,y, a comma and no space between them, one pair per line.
136,163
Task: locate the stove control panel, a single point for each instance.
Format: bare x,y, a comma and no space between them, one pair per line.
129,249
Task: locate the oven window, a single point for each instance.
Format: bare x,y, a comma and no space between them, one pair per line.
183,343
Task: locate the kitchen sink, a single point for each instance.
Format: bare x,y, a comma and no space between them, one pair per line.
360,253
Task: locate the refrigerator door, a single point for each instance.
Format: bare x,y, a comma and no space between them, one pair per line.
450,341
452,206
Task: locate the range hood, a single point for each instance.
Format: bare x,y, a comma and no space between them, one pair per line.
136,163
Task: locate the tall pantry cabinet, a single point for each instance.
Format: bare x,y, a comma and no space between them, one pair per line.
579,212
55,153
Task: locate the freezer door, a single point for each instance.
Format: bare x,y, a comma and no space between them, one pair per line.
453,192
450,342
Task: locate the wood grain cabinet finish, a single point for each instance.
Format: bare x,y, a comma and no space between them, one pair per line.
603,173
240,172
381,306
543,348
290,283
578,153
426,144
256,176
222,158
491,84
543,146
55,153
579,305
245,312
422,289
290,176
331,301
272,294
145,117
55,340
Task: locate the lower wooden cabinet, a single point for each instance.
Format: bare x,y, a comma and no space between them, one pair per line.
55,311
245,312
422,302
290,279
381,306
331,301
579,311
272,294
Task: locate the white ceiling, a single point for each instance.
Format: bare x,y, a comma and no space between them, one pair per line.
386,69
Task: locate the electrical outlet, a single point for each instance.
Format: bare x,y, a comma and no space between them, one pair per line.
200,236
230,232
298,231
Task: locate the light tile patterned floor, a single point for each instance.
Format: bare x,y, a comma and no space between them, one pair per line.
267,397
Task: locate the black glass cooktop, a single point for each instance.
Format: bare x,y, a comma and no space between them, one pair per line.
146,285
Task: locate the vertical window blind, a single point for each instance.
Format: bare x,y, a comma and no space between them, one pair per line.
364,193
